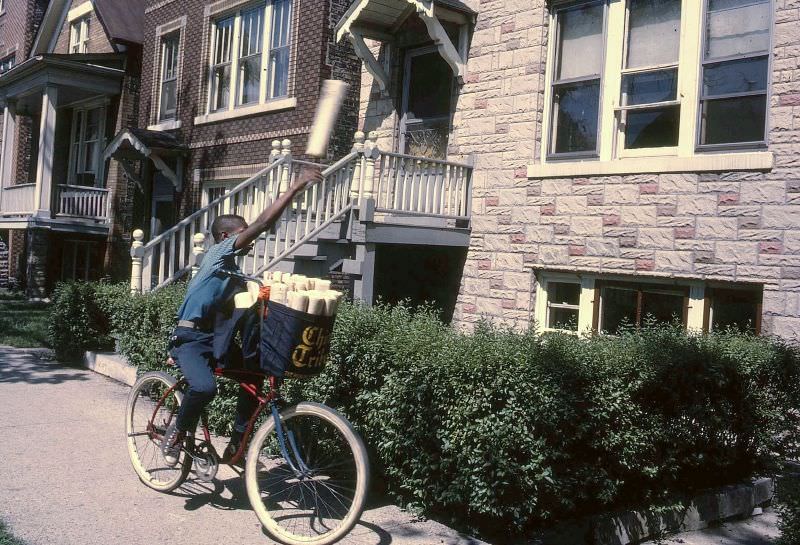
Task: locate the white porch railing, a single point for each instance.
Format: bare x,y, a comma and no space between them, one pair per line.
398,183
82,202
18,199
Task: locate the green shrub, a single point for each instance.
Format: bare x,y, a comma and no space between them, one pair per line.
503,430
81,317
788,507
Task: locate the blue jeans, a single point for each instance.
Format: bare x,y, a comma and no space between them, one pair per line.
193,352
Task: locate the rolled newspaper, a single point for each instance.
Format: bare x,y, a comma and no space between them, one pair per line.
316,303
278,293
330,102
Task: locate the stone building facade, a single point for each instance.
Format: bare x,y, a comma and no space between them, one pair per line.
594,214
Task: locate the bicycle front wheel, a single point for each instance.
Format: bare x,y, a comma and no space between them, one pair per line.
150,409
313,492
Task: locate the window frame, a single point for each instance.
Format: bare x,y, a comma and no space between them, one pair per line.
79,35
553,59
176,35
640,287
11,60
609,152
550,305
265,83
78,138
710,298
733,146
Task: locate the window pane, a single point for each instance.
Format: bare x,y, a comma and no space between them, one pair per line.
563,318
280,72
224,35
653,32
739,76
252,28
662,307
736,309
652,128
619,308
168,99
281,13
650,87
222,87
564,293
737,27
250,78
581,48
576,120
92,124
740,119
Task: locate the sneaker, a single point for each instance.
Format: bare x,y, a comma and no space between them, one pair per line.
171,444
233,447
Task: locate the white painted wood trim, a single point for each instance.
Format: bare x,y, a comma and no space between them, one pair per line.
721,162
371,64
271,106
169,125
80,10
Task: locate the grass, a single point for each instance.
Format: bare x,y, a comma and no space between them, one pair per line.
6,538
23,324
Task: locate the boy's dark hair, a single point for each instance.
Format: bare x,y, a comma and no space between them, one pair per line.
225,224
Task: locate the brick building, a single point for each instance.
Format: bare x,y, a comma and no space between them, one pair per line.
70,80
222,80
632,158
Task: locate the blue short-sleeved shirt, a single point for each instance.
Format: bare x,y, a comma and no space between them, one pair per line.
209,290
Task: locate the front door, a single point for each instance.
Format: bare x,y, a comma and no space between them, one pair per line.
163,208
427,99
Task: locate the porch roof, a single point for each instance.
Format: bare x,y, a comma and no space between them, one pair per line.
76,79
161,148
380,19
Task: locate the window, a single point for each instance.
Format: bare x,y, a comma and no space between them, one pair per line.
241,73
85,153
650,111
168,101
733,100
79,35
577,79
7,63
563,305
734,308
644,78
78,260
630,305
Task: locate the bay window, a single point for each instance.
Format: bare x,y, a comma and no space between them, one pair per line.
641,78
250,55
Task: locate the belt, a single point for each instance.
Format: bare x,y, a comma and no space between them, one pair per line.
191,325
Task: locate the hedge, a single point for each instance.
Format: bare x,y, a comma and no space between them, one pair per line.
502,430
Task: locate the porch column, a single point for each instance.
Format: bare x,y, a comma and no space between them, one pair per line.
7,151
44,163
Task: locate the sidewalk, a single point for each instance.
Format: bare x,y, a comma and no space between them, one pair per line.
65,477
760,530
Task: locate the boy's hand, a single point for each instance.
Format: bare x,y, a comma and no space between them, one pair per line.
307,176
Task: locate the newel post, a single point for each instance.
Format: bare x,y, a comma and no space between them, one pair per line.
137,253
371,153
357,182
286,169
198,250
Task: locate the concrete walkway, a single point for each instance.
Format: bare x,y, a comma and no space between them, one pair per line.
65,477
759,530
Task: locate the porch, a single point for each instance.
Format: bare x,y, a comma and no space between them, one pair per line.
55,112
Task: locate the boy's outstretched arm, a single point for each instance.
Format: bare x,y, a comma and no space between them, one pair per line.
270,215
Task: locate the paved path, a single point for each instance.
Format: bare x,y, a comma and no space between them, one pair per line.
760,530
65,478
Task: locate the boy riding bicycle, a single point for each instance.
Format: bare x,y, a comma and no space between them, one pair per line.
192,343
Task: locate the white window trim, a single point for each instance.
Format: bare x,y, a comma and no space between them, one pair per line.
685,157
590,291
80,10
79,35
234,8
275,105
179,26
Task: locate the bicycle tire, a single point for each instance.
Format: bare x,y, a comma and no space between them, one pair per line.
143,448
327,431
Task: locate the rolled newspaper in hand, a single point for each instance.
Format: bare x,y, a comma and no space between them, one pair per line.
331,97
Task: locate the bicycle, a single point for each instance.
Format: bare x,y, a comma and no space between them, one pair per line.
306,470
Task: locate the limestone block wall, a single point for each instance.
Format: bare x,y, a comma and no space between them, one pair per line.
739,226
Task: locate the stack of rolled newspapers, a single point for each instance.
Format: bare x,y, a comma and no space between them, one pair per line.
296,291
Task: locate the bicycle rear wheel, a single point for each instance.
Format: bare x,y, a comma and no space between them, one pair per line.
149,411
321,503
